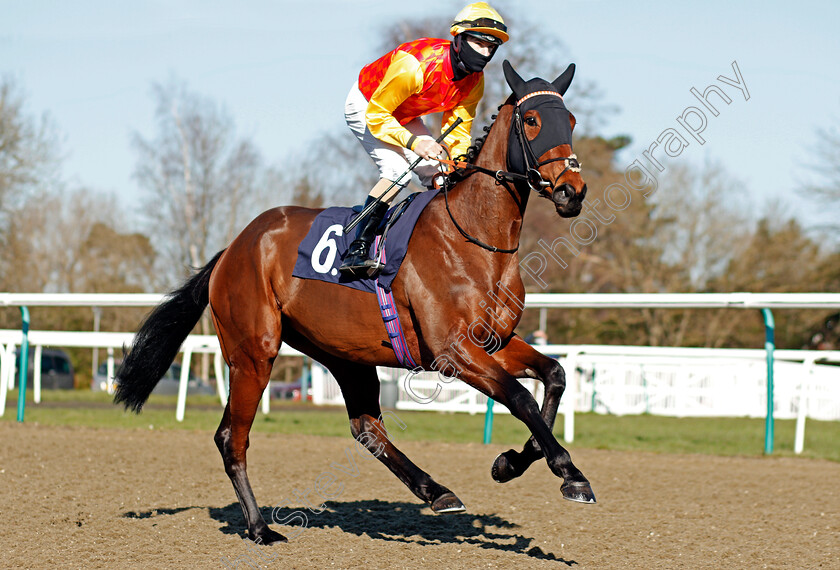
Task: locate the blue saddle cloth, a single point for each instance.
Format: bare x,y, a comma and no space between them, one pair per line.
321,251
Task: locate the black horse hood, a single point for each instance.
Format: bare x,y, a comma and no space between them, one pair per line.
547,98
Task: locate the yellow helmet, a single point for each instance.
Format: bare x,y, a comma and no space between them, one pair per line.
480,18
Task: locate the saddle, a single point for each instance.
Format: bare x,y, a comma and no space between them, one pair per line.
321,250
318,258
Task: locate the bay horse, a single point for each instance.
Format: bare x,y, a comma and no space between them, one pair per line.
444,281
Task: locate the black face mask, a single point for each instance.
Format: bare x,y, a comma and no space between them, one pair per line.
465,59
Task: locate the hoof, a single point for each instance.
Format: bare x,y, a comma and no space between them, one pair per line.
267,537
448,503
578,492
502,470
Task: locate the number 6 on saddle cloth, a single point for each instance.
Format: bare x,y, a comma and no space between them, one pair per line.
318,257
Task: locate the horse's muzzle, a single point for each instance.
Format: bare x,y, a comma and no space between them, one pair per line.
567,201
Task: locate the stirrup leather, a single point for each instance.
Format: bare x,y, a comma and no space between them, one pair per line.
357,263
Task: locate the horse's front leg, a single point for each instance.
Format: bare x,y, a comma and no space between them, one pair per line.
520,359
484,373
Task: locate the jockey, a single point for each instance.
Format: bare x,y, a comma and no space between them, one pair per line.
385,106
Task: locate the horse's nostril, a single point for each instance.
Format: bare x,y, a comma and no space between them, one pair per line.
569,190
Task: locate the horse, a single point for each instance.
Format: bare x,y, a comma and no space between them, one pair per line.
448,280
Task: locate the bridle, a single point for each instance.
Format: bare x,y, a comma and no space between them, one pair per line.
532,163
532,175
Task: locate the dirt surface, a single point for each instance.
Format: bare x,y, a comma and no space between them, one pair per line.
88,498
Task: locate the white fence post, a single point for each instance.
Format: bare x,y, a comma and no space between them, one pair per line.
36,374
4,376
10,371
182,386
266,403
220,378
570,396
109,371
318,380
802,411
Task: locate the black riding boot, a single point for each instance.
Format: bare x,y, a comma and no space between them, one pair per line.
356,262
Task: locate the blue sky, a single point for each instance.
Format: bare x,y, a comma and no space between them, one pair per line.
283,69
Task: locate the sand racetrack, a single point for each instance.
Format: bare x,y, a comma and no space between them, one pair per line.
97,498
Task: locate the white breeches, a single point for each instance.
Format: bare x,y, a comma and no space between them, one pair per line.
391,160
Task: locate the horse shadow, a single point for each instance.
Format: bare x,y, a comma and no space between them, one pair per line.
391,521
155,512
395,521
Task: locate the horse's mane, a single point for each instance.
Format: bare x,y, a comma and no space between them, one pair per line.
473,150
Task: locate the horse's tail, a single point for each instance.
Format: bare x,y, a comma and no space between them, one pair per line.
160,336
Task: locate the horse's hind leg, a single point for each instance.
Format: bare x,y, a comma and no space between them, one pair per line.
520,359
360,388
250,367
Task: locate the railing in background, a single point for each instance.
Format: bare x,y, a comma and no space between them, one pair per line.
9,339
763,301
624,380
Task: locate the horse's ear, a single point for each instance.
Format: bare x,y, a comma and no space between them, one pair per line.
565,79
516,83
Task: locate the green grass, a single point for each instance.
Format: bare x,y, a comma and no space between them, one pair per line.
717,436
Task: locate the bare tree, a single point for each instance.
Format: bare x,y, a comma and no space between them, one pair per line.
57,242
67,242
28,166
49,234
29,158
708,229
824,180
827,152
198,177
333,170
778,256
199,180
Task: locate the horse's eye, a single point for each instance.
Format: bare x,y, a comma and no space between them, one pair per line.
531,121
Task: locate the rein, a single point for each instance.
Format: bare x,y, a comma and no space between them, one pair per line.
470,238
533,177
